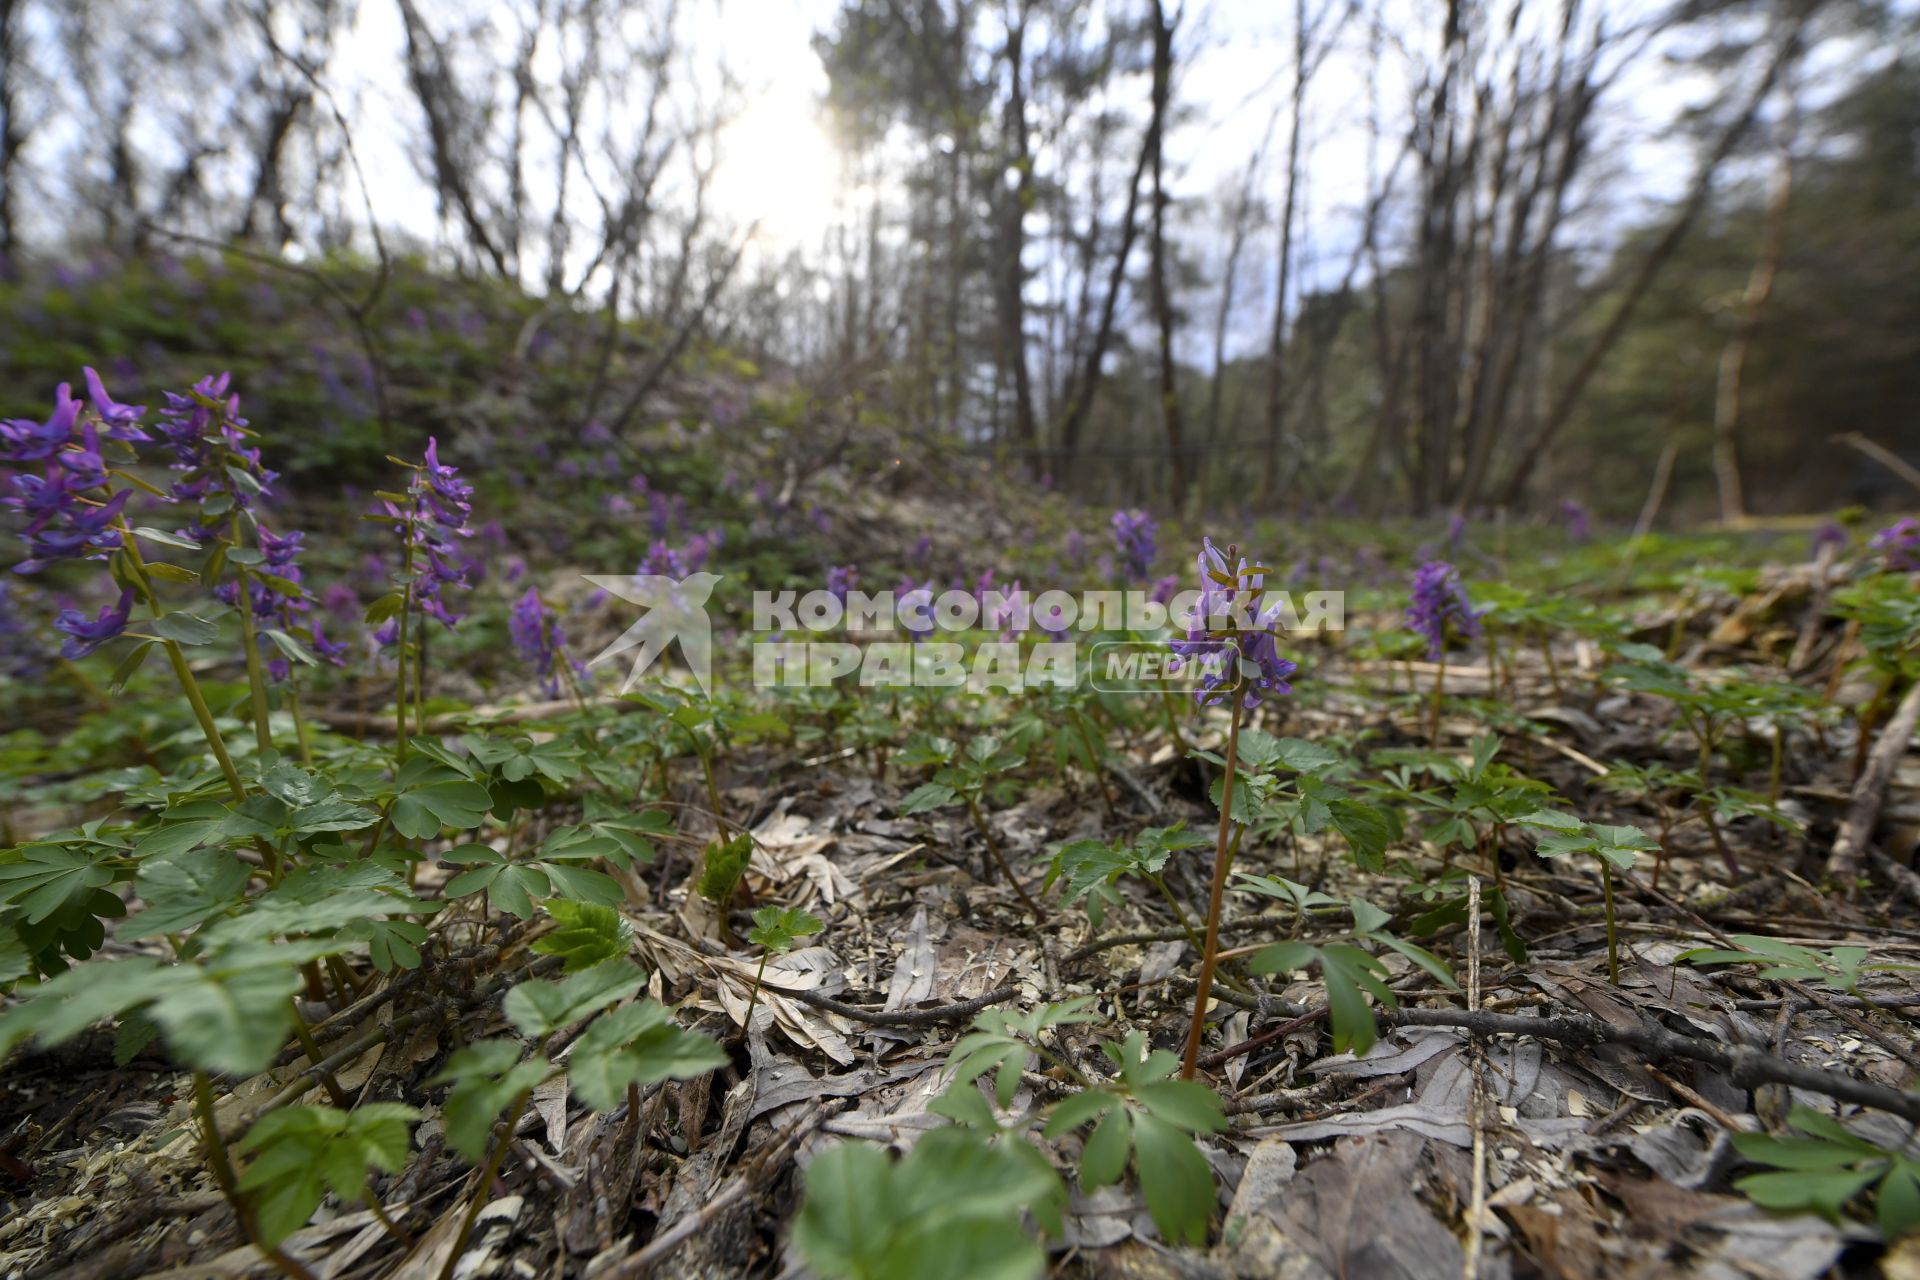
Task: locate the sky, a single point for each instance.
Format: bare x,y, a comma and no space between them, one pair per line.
780,168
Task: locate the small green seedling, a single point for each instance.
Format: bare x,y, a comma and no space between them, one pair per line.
1352,973
1839,969
775,930
1613,846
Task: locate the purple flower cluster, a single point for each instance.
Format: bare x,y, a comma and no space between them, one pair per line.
841,579
1075,549
1830,534
1899,545
208,438
1230,633
438,506
1440,602
665,561
1579,526
1134,535
538,636
70,509
85,634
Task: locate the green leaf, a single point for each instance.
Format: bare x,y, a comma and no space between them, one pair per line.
1824,1191
1899,1207
1076,1109
1185,1104
182,890
1351,972
847,1186
725,864
162,538
540,1008
302,1151
236,1017
1104,1157
1552,820
486,1076
588,934
584,884
47,877
185,628
926,797
421,813
1176,1179
1283,957
777,928
391,944
636,1044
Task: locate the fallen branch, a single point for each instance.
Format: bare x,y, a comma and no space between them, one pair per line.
1870,792
1903,880
1746,1066
903,1017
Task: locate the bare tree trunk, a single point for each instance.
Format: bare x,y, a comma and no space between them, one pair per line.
13,133
1241,221
1013,242
1283,269
1656,257
1081,402
1733,357
1162,299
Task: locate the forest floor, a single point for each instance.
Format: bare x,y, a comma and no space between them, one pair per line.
1537,1115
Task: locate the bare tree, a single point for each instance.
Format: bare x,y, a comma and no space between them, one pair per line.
1752,306
1163,29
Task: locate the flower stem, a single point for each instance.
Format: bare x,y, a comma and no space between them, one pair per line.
1433,701
1613,944
758,974
256,675
993,847
487,1176
1222,858
221,1167
182,673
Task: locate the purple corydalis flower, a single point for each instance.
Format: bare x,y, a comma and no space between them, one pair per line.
24,440
84,634
1230,633
1830,534
842,578
1439,601
342,601
122,421
326,649
1899,545
1164,589
1135,536
664,562
537,635
1579,526
1076,548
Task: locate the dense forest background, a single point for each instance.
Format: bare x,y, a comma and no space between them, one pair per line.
1475,256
